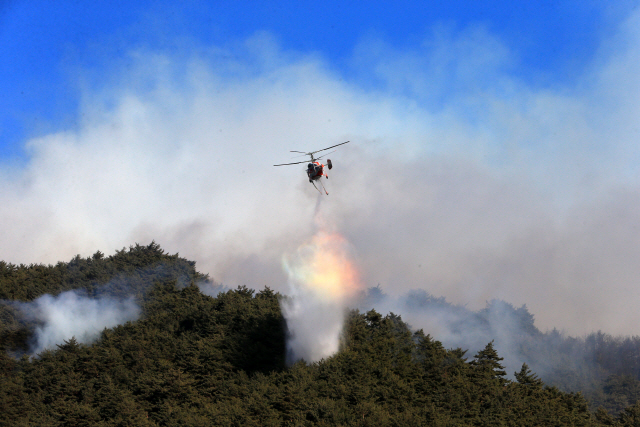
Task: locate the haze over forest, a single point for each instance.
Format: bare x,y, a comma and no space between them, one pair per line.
133,338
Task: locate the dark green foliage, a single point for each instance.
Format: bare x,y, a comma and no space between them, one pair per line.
630,416
193,360
527,378
128,271
605,368
487,368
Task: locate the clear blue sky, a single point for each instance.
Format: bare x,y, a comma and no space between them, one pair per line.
42,43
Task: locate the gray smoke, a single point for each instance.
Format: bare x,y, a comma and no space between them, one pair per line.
211,288
513,330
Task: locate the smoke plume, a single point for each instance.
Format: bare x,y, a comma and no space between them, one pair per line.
71,314
489,188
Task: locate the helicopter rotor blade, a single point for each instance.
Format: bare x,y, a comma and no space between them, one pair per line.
318,158
295,163
313,159
342,143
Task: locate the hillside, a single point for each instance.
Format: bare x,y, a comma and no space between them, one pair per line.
605,368
192,359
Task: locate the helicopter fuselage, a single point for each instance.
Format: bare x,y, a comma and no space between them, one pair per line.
315,170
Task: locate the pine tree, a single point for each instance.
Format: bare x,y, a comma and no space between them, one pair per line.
487,365
527,378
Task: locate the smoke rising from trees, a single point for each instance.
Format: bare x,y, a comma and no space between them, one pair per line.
586,363
71,314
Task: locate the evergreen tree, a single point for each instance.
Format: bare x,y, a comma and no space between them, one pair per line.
527,378
486,365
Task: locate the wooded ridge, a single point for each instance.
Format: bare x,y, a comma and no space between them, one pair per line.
195,360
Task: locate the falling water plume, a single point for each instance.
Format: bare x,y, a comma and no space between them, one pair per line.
323,279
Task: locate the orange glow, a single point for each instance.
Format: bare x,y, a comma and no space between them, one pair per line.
325,267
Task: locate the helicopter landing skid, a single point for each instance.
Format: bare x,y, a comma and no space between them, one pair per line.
320,181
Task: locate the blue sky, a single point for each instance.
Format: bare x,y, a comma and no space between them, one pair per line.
42,47
494,145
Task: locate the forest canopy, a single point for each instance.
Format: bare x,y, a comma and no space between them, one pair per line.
192,359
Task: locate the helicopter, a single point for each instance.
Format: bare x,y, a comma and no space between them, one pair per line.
315,169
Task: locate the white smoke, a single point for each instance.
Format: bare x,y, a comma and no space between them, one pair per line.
211,288
70,314
497,189
323,281
314,326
